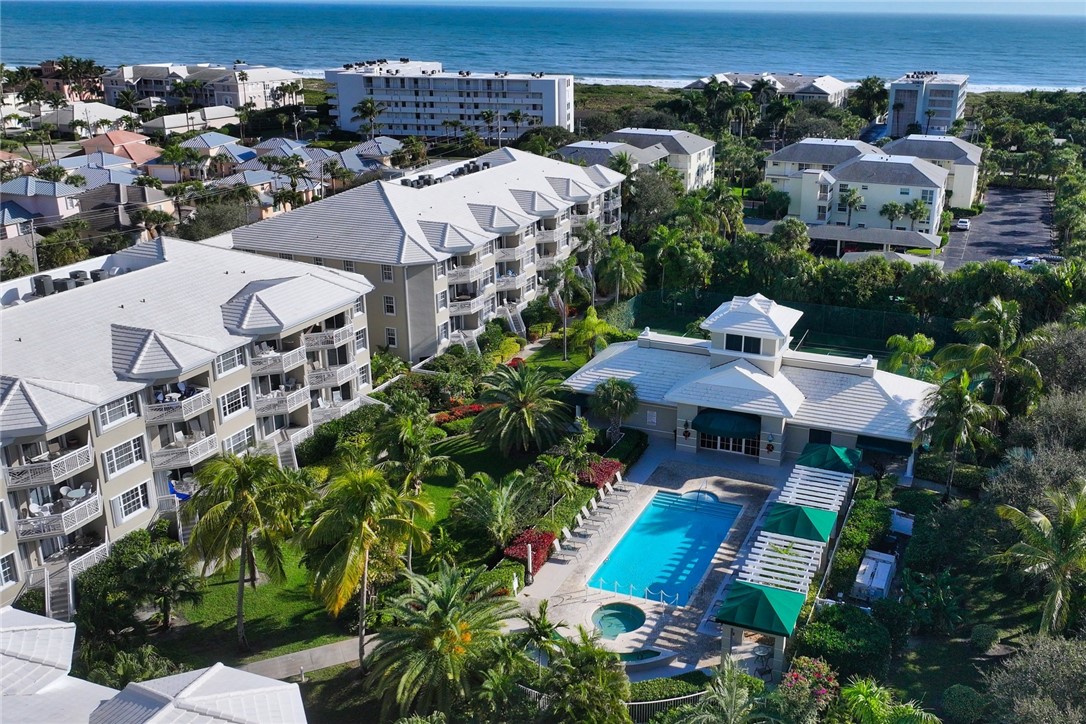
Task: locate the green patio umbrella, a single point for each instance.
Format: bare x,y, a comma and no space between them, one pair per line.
830,457
799,521
760,608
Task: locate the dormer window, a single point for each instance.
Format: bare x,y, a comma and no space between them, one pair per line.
739,343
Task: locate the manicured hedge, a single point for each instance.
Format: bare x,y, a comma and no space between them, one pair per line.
458,427
503,574
541,542
670,688
323,442
565,513
850,641
964,704
937,469
868,522
538,331
630,448
460,412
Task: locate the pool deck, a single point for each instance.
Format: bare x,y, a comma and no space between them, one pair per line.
677,629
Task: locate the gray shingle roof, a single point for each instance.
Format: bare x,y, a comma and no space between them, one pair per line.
682,142
822,151
941,148
603,152
30,186
891,171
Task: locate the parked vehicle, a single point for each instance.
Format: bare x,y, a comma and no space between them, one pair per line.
962,225
1027,262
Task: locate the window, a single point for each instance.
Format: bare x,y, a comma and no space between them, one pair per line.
348,266
124,456
8,573
650,417
752,345
239,442
229,361
733,342
318,260
363,375
903,192
234,402
439,269
288,257
390,304
111,413
739,343
442,300
390,336
819,437
442,331
3,519
386,273
359,340
743,446
928,195
129,503
360,306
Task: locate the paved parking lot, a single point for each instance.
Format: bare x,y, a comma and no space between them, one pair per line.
1015,222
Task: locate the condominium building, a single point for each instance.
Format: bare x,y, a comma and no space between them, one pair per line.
817,173
604,153
450,247
793,86
961,160
927,98
217,85
419,98
689,154
120,375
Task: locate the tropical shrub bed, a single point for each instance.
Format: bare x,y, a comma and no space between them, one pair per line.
503,574
538,331
669,688
458,427
540,541
32,601
564,514
600,473
850,641
630,448
325,437
936,468
460,412
867,524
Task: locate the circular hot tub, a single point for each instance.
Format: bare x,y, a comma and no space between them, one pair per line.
617,618
701,496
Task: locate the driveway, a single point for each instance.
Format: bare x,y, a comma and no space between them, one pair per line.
1015,222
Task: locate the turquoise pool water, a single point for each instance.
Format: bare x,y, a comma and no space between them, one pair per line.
668,548
618,618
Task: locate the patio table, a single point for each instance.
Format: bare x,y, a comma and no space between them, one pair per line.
76,494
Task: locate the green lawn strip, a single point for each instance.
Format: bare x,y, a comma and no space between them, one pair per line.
279,619
335,695
550,357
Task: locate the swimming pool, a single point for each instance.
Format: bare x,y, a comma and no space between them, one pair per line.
668,548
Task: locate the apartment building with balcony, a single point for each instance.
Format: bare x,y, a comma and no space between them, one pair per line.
218,85
914,94
691,155
121,376
449,247
420,98
959,158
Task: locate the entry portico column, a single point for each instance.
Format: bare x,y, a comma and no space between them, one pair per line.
909,467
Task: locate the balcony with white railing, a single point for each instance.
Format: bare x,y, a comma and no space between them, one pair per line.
185,453
468,273
610,204
334,410
58,524
514,253
329,338
331,376
580,219
823,196
178,410
281,402
298,435
511,282
543,263
277,362
49,468
91,558
471,305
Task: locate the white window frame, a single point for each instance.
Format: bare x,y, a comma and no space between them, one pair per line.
318,260
364,376
442,331
245,439
361,341
122,507
360,306
136,448
234,356
128,403
392,339
442,300
240,397
285,256
348,265
388,273
389,302
650,417
8,578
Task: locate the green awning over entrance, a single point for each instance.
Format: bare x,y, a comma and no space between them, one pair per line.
888,447
724,423
800,522
761,608
830,457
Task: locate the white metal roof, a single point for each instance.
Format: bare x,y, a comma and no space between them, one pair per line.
67,700
815,488
781,561
216,695
741,387
652,371
35,651
755,315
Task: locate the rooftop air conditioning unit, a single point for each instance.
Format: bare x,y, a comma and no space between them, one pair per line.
486,165
78,274
99,274
405,182
42,285
83,282
63,285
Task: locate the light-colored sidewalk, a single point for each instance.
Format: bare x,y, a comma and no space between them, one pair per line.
319,657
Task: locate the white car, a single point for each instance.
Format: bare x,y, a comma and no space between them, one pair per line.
962,225
1027,262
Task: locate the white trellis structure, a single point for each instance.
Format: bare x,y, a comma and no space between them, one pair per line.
782,561
816,488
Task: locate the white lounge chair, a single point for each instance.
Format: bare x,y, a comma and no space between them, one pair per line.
561,553
612,490
607,504
598,510
566,535
588,520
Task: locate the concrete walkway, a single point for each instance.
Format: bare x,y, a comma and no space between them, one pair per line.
320,657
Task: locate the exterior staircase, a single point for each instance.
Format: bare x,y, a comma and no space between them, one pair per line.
512,317
284,451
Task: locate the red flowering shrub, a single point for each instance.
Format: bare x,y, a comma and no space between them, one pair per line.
809,687
541,542
600,473
459,413
515,362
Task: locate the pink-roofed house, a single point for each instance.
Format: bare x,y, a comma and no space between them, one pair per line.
123,143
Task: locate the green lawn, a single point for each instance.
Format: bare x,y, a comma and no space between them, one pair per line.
335,695
611,98
550,357
279,619
474,457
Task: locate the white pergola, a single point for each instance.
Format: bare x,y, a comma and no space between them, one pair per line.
781,561
816,488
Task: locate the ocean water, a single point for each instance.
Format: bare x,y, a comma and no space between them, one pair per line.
604,46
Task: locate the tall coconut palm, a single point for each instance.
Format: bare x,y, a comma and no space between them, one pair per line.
1052,547
852,200
163,576
996,348
568,281
127,100
556,475
623,163
528,412
498,508
590,331
727,699
488,117
590,242
893,211
869,703
368,110
540,633
622,269
586,682
448,632
916,210
616,400
665,243
957,419
359,511
908,352
244,506
516,117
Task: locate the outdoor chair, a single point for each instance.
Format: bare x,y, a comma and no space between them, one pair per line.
584,522
612,490
598,510
561,553
575,544
567,536
605,504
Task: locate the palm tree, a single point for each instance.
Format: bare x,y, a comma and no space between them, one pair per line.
163,576
852,200
448,632
244,505
591,240
622,269
623,163
958,419
893,211
488,117
50,173
556,475
929,114
568,281
359,511
127,99
665,242
996,347
176,157
497,508
908,352
590,331
616,400
148,182
153,220
529,411
586,682
76,179
1052,547
516,117
541,633
368,110
727,699
916,210
291,167
869,703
